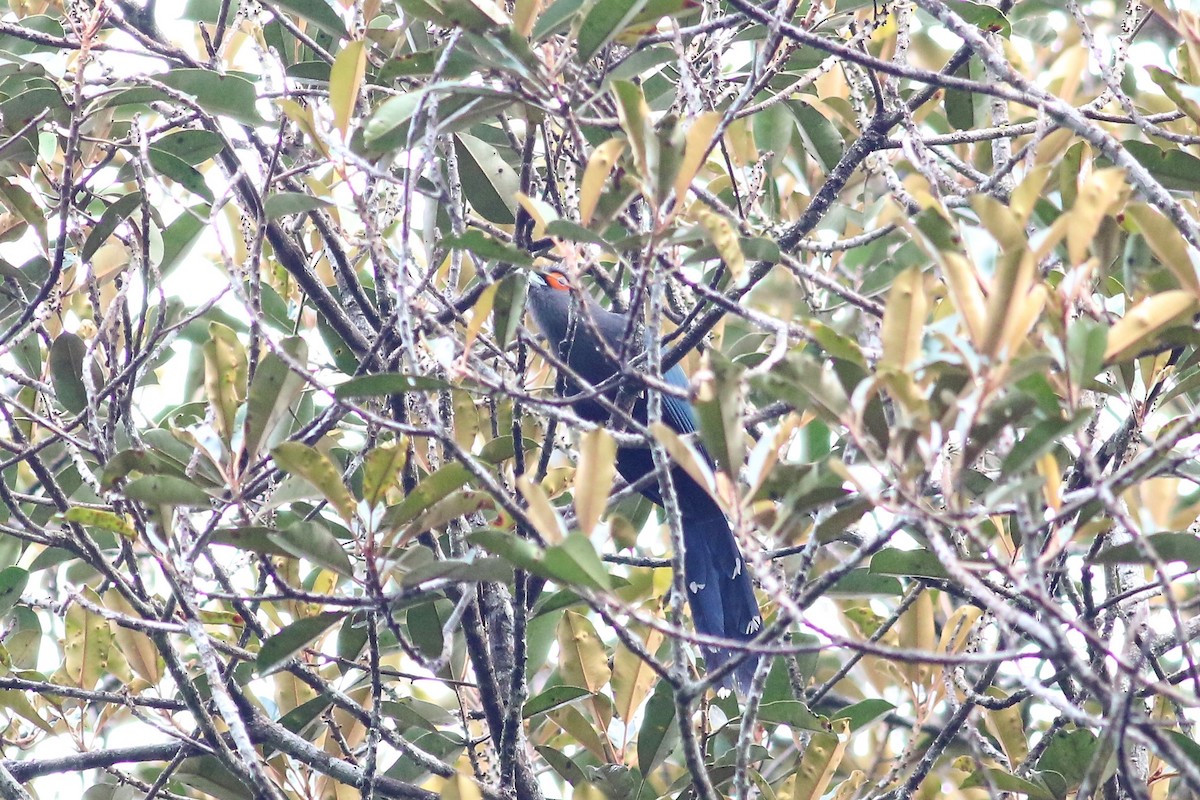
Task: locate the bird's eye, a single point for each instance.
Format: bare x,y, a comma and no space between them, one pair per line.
556,280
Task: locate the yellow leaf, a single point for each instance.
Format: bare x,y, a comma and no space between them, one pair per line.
584,661
542,212
461,787
1167,244
87,642
820,761
1008,727
225,375
600,166
1028,192
632,678
303,117
724,237
1047,467
345,78
593,477
310,464
699,138
968,298
479,314
904,320
918,632
541,512
19,704
577,726
684,456
958,629
1001,222
1022,319
1010,288
1103,191
525,14
139,651
848,789
1141,323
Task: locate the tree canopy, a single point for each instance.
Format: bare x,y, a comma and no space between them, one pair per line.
291,509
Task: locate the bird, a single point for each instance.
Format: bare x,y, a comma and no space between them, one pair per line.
719,588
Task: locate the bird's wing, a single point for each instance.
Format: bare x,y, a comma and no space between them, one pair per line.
677,412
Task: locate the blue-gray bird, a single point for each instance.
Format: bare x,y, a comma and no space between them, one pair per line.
720,592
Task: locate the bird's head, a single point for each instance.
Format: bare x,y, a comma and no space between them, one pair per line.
552,279
552,298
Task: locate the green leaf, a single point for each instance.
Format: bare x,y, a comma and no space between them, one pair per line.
279,649
433,487
468,570
381,470
172,166
556,18
985,17
794,714
387,128
272,392
386,383
219,94
312,465
1086,343
864,712
282,204
192,146
99,518
485,247
563,764
425,628
1188,745
253,538
318,12
1066,759
180,235
207,774
66,372
551,699
508,308
519,552
1168,547
575,562
313,541
603,20
1006,782
861,582
489,183
167,490
658,735
23,45
501,449
1176,169
13,581
635,117
821,138
1037,440
441,513
112,217
908,563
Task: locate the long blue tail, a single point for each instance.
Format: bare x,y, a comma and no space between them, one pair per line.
720,591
